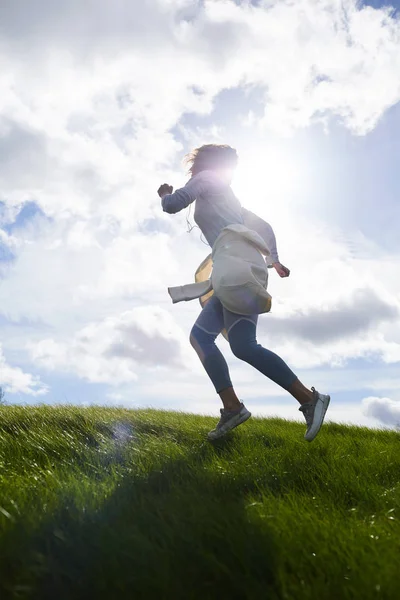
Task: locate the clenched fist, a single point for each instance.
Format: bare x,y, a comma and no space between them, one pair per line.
281,270
165,189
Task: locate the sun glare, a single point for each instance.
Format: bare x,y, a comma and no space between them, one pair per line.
268,177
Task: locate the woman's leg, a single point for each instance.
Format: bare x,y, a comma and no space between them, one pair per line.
242,339
207,327
243,342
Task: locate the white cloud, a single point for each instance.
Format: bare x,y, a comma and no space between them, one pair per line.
385,410
334,330
312,58
344,318
87,122
340,302
79,268
14,380
115,350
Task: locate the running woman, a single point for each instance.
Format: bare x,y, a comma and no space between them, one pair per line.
211,171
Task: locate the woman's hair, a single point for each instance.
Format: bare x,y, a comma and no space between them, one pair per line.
211,157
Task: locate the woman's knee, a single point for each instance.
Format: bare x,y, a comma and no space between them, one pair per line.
200,339
192,338
202,342
196,344
240,349
241,345
242,337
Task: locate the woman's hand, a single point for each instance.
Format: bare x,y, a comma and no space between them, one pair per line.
281,270
165,189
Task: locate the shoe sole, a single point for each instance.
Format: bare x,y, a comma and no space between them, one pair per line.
231,424
319,415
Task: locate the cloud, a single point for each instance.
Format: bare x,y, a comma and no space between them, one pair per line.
23,157
91,123
356,315
312,59
94,151
119,23
66,268
337,304
385,410
115,350
14,380
148,337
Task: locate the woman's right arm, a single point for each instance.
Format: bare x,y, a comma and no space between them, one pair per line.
265,230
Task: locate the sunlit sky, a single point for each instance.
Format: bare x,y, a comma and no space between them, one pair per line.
100,101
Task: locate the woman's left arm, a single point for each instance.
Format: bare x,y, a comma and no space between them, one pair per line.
173,202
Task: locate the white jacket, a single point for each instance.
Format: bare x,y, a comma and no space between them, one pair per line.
239,275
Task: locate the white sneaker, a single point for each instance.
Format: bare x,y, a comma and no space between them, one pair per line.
314,414
229,419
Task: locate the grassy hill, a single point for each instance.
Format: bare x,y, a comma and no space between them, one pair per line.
107,503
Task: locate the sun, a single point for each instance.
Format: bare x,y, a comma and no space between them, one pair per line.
268,177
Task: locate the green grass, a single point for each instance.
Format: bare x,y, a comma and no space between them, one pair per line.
108,503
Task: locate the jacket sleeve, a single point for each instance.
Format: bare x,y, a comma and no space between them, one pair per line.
198,185
263,229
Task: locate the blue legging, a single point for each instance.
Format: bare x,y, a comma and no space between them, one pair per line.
242,339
